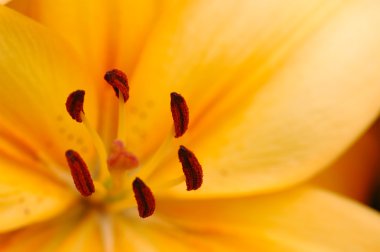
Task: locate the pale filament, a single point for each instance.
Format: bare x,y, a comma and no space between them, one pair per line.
100,148
55,170
121,135
168,184
65,178
151,164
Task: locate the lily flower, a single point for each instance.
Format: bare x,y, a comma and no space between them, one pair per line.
188,125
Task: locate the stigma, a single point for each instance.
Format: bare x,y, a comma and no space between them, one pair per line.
116,165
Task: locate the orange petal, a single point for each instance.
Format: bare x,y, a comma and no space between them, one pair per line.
282,122
39,71
27,197
302,219
107,34
355,174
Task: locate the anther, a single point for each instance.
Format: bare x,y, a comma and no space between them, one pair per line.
191,168
80,173
180,113
74,105
118,80
144,197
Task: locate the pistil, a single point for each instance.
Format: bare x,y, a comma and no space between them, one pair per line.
120,161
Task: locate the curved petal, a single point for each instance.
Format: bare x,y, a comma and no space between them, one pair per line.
85,237
166,55
45,236
155,234
303,219
107,34
355,174
72,232
39,71
270,133
27,197
204,50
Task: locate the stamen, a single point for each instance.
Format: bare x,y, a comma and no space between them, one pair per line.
121,129
99,147
144,197
79,171
180,113
154,160
191,168
74,104
118,80
55,169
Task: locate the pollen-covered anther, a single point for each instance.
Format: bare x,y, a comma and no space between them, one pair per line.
80,173
119,81
191,168
74,105
146,203
180,114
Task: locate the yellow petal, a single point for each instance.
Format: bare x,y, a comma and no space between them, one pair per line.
204,50
27,197
85,237
107,34
354,174
39,71
45,236
302,219
155,234
282,121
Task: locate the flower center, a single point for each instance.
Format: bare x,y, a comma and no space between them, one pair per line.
117,166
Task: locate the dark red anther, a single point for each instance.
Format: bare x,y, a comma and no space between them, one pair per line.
191,168
118,80
74,105
180,113
79,171
144,197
